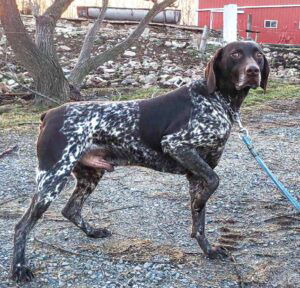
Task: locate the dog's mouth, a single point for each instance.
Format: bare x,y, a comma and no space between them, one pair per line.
251,83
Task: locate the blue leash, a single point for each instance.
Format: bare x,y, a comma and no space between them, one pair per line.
246,139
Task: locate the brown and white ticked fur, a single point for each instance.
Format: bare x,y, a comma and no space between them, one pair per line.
182,132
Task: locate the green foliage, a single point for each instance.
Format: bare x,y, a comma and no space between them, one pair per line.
18,115
275,90
141,93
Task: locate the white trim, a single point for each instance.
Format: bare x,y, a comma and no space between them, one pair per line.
245,7
218,10
272,6
270,23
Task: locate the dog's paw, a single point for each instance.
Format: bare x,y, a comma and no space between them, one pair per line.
22,274
217,253
99,233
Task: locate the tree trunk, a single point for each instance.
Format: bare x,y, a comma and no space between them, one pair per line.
38,58
49,80
52,83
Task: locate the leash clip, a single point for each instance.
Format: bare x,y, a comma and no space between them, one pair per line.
243,131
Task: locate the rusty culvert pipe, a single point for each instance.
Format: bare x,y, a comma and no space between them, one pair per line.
129,14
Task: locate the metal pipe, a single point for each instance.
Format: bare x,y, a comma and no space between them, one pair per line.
130,14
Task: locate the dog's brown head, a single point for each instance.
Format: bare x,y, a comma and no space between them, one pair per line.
237,66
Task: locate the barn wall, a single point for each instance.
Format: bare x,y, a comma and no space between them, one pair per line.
287,32
221,3
188,7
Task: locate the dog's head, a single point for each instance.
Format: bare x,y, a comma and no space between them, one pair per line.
238,65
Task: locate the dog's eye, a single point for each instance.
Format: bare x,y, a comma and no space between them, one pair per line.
236,55
259,55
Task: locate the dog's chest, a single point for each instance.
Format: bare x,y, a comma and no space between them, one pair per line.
208,128
209,124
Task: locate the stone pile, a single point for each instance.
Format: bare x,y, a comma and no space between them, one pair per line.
284,61
162,56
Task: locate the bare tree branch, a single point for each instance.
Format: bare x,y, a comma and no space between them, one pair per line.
35,7
77,75
45,26
89,39
57,8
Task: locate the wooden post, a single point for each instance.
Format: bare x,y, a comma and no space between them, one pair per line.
230,23
211,19
249,27
204,38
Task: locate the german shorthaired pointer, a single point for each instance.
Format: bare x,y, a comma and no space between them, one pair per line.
182,132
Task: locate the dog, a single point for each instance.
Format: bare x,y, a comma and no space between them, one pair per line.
182,132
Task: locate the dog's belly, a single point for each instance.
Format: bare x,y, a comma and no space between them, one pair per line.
136,154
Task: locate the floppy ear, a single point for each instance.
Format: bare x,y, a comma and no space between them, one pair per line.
265,74
210,72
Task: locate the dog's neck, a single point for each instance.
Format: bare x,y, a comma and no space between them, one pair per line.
232,96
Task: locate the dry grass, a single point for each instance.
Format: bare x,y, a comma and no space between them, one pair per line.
20,114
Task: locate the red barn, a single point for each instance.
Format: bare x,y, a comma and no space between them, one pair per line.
266,21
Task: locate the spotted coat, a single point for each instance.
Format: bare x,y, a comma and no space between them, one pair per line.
182,132
114,128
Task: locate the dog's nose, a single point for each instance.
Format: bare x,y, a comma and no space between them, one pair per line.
252,70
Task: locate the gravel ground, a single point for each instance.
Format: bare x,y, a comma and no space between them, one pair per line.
148,214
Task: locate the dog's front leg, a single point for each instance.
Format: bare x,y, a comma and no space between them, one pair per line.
197,189
203,182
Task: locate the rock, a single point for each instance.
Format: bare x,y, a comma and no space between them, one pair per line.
146,33
129,53
292,72
10,82
188,73
167,62
168,44
154,65
3,88
129,81
93,80
135,64
164,78
63,48
109,70
150,79
147,265
109,26
176,44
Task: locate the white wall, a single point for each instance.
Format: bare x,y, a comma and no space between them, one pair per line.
188,7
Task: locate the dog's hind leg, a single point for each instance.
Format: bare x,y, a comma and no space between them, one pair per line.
50,183
87,179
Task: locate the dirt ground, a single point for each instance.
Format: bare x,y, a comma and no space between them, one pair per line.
148,214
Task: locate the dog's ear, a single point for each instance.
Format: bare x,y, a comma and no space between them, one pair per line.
265,74
210,75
